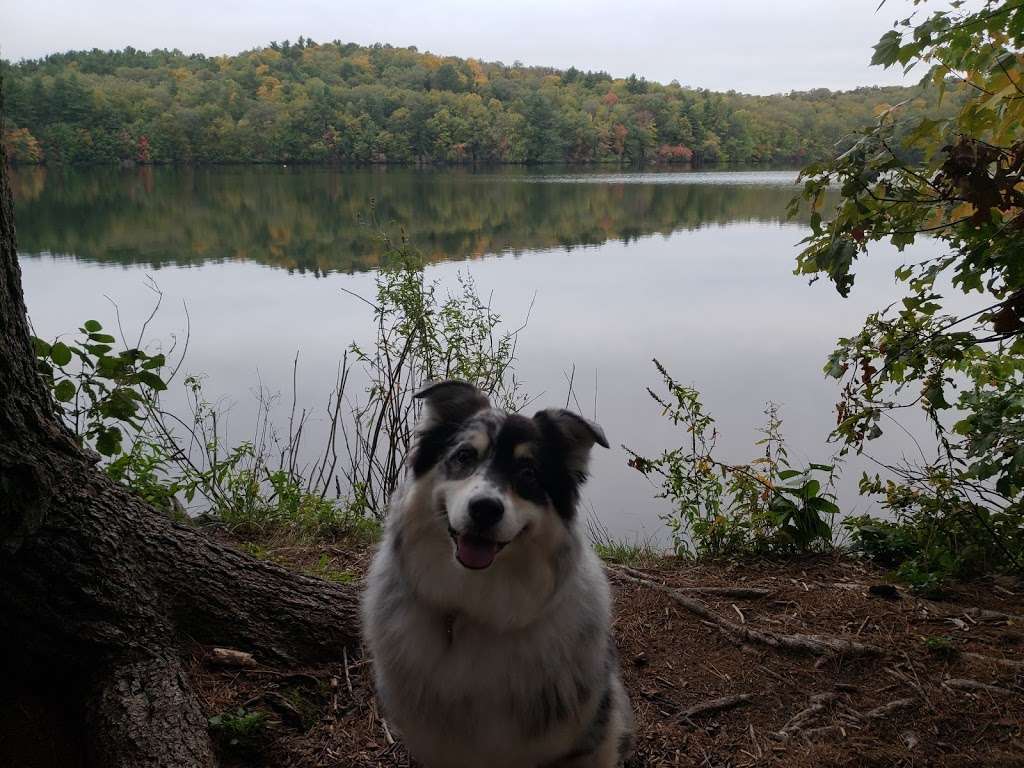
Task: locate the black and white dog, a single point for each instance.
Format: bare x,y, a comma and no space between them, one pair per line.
486,613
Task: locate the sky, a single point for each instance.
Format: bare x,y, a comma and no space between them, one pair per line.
752,46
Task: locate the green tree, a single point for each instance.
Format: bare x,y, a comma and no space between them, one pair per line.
958,179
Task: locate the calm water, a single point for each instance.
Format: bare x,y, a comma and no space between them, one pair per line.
692,268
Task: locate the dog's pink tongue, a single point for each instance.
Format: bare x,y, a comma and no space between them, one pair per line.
473,552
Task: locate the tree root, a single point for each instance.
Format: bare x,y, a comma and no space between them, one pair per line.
973,686
818,645
145,714
797,723
1012,663
740,592
888,709
985,613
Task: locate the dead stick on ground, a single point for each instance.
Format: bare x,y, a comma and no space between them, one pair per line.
716,705
750,592
229,657
348,678
819,645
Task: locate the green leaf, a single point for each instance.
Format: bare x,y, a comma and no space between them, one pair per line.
786,474
151,380
91,326
64,391
887,50
810,489
108,442
41,348
120,405
822,505
60,354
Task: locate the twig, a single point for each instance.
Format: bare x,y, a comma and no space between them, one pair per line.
348,678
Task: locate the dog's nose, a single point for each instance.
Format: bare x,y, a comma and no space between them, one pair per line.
486,511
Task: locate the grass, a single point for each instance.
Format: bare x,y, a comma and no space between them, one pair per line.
637,553
324,569
240,729
942,647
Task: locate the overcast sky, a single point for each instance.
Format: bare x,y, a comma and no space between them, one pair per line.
754,46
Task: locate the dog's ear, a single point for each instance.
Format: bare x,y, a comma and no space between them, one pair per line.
575,435
449,401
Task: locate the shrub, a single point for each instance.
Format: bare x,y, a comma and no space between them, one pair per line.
719,508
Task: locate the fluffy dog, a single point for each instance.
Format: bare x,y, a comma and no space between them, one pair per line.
486,613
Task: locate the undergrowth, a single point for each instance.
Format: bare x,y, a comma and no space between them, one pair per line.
721,508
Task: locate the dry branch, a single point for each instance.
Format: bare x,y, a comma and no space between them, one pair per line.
819,645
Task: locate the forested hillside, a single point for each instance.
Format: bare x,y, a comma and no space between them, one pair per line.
337,102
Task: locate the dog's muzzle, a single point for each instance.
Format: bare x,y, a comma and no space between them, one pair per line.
473,551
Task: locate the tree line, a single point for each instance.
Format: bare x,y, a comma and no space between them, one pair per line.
342,102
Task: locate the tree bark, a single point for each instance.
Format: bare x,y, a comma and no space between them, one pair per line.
101,588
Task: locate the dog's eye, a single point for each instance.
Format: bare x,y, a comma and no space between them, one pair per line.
464,456
527,476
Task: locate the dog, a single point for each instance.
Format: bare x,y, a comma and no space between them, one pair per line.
486,613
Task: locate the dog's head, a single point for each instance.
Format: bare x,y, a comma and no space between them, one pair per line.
498,480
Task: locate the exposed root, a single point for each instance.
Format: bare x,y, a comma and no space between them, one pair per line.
822,733
740,592
887,709
973,686
994,660
818,645
984,613
799,721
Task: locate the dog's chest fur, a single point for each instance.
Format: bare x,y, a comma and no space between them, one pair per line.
460,689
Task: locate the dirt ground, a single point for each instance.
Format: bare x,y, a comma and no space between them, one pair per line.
923,683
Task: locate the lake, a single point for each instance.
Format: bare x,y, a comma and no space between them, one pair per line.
693,268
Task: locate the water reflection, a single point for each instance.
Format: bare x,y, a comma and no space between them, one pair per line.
695,271
315,219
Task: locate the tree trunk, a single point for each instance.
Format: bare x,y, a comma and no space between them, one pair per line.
99,588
